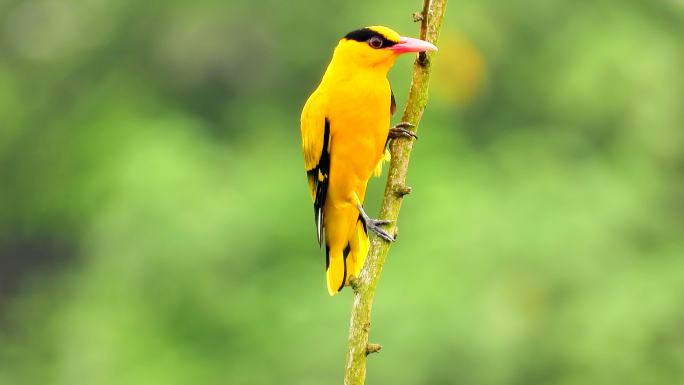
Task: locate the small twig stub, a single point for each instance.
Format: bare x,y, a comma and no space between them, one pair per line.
373,348
402,190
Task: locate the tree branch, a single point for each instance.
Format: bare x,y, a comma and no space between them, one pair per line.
395,189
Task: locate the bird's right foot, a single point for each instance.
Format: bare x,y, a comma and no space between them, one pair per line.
401,130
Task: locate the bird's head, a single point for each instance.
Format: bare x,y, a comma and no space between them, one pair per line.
378,46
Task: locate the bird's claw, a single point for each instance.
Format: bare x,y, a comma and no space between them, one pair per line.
374,226
405,125
401,131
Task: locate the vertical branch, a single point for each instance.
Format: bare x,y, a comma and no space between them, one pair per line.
395,189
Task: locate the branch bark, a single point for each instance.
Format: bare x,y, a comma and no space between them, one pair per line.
355,373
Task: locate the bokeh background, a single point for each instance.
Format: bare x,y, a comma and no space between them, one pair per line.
155,224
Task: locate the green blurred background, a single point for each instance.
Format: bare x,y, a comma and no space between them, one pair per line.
155,224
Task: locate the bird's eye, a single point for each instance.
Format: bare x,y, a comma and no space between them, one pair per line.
375,42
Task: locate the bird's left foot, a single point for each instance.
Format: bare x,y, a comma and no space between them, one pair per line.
401,130
374,224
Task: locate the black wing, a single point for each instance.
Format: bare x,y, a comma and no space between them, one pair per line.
393,109
393,103
318,180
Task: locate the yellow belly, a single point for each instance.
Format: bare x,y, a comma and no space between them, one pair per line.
359,125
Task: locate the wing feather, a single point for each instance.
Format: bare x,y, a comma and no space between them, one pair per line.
315,129
393,103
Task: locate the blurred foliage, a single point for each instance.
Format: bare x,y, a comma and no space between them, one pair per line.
155,226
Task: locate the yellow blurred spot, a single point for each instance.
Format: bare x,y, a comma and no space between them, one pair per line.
460,72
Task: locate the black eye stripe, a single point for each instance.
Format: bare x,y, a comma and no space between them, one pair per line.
363,34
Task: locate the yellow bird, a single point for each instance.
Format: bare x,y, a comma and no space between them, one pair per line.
345,126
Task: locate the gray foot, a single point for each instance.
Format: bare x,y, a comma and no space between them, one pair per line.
401,131
374,225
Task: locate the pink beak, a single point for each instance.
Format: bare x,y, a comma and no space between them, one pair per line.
409,44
